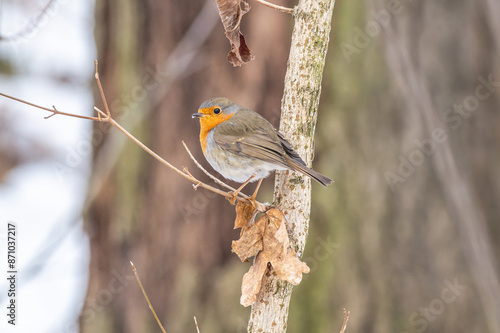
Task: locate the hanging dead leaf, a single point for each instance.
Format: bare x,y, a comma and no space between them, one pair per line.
252,281
289,267
251,240
267,240
231,12
285,262
245,211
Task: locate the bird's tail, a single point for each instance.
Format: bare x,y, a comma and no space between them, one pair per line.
322,179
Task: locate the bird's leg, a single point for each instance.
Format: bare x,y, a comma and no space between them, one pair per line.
232,196
254,195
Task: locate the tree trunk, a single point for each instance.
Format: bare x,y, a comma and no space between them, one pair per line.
299,107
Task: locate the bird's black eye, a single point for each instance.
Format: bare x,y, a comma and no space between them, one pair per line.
216,111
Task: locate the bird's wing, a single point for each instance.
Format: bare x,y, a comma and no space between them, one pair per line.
260,140
252,138
289,150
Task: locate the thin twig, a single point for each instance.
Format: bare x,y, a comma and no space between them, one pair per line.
346,318
101,91
53,110
196,323
277,7
215,179
160,159
146,297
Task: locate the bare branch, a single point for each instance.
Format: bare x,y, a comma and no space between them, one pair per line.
164,162
146,297
53,110
346,318
103,97
277,7
197,328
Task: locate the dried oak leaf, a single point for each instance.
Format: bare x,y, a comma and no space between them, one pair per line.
275,250
231,12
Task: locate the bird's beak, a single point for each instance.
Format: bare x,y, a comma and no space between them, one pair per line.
197,115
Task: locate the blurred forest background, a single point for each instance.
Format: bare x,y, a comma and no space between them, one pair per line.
409,128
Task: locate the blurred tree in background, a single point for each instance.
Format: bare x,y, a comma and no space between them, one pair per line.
408,129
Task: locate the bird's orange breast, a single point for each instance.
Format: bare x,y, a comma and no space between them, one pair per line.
208,123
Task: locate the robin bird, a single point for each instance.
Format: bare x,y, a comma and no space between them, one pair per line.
243,146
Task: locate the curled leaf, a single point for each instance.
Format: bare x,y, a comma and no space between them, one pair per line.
285,262
251,240
231,12
252,281
267,240
245,211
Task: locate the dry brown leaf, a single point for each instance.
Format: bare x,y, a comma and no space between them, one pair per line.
267,240
252,281
231,12
289,267
245,211
285,262
251,240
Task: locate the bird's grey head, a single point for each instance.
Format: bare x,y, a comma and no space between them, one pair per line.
223,103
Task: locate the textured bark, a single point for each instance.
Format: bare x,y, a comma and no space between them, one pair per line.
292,192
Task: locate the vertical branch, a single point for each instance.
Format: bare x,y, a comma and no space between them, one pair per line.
292,191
